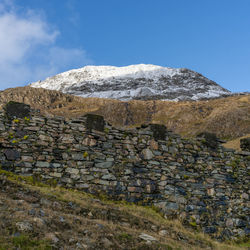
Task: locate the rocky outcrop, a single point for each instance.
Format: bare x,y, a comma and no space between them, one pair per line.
203,187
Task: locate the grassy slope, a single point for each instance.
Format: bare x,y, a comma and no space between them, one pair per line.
67,218
235,144
227,117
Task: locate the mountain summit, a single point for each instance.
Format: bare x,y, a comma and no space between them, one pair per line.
141,82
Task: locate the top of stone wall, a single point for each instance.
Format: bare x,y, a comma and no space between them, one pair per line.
95,122
17,110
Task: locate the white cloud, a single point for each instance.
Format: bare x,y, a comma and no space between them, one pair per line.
28,50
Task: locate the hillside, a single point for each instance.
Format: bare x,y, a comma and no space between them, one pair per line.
227,117
34,215
134,82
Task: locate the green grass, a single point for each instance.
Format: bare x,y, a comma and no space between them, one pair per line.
24,242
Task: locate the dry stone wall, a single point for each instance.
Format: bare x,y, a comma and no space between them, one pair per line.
206,188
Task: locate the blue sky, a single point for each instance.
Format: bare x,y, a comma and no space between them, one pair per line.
39,38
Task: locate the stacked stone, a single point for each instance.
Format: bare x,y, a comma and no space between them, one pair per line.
204,187
245,144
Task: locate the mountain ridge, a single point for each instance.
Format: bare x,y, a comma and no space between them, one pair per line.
134,82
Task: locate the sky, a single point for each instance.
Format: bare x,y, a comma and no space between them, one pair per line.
41,38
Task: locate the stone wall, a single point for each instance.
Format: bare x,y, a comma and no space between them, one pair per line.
204,187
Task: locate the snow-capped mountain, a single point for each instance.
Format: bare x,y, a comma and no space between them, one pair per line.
142,81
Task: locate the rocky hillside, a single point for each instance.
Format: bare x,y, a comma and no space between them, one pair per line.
134,82
227,117
34,215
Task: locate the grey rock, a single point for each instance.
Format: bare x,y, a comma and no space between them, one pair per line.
147,237
24,226
147,154
107,164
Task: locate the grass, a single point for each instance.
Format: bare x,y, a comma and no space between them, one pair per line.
235,144
137,219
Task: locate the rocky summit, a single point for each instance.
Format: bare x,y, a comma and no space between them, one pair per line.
139,82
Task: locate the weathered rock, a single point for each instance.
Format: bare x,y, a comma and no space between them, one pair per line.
147,154
106,164
12,154
24,226
147,237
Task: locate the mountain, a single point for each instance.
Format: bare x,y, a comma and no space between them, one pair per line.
138,82
228,117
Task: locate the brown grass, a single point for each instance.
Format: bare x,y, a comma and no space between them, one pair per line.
235,144
88,220
228,117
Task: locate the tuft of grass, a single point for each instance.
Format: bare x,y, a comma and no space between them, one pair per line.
24,242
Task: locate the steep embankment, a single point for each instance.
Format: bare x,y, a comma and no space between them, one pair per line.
37,216
227,117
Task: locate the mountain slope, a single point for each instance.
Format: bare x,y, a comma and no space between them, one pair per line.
227,117
141,81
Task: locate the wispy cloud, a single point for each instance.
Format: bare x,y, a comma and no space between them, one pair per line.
28,49
74,16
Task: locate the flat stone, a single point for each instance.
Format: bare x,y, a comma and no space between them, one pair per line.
33,128
67,139
45,138
106,164
78,157
147,237
107,145
171,206
82,186
56,165
55,174
89,142
163,232
72,170
154,163
12,154
2,127
27,158
135,189
109,177
103,182
42,164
